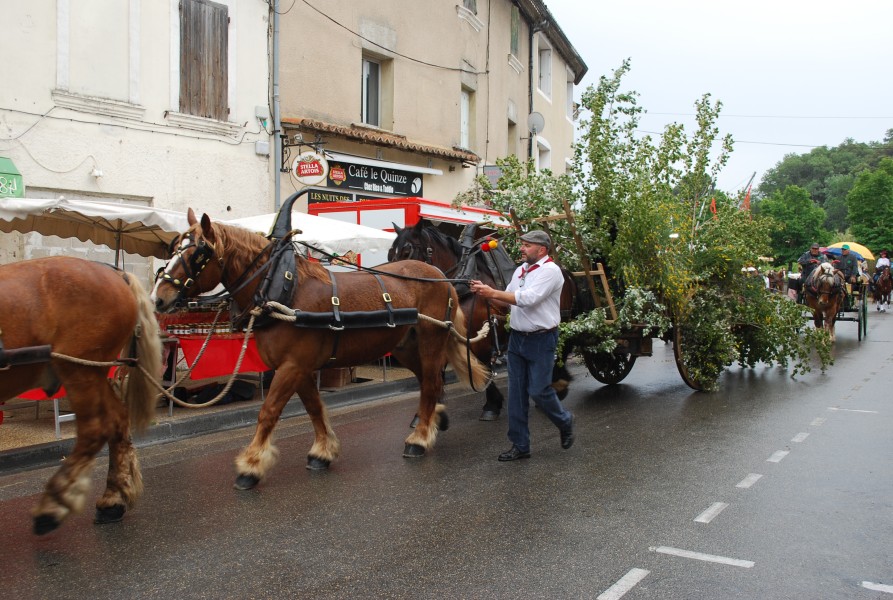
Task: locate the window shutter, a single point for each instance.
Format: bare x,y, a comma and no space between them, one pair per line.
204,38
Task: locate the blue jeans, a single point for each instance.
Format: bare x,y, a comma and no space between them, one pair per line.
530,360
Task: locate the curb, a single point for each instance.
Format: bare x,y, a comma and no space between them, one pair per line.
51,453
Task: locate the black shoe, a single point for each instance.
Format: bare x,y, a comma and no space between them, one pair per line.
513,454
567,435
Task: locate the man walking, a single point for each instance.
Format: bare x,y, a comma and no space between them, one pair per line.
534,295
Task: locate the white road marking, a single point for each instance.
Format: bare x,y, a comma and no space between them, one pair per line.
870,412
735,562
710,514
748,481
878,587
778,455
817,422
800,437
623,585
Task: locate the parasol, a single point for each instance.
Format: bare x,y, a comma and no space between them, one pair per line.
864,253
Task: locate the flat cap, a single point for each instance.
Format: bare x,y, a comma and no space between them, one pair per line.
814,246
537,236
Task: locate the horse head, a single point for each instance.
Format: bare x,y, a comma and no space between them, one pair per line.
411,243
195,267
826,284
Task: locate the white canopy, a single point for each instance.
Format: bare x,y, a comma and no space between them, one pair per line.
133,228
330,235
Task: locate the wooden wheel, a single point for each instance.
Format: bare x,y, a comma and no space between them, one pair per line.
608,367
679,355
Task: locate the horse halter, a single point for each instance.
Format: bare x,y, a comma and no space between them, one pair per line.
415,251
193,266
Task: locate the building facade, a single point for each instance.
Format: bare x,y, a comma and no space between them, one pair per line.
418,98
156,102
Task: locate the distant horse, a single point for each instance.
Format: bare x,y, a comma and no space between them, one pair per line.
427,243
57,316
777,280
882,289
824,292
339,319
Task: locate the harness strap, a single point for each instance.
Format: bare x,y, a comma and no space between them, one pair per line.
387,300
337,325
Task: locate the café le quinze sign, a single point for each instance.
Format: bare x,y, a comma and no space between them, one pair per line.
375,179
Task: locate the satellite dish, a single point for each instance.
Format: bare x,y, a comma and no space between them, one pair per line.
535,123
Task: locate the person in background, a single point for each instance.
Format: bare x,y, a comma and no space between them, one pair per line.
848,264
533,296
809,260
881,263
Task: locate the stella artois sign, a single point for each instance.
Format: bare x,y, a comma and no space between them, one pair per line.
310,168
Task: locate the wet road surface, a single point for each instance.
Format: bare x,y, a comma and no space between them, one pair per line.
770,488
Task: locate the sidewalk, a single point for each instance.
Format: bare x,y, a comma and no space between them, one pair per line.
28,440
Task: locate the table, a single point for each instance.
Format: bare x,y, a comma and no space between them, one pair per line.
221,355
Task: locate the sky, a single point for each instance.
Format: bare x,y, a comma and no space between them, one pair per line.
791,74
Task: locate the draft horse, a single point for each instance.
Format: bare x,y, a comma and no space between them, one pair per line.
57,316
208,254
882,289
825,292
425,242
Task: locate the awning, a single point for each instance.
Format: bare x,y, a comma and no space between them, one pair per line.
11,183
371,162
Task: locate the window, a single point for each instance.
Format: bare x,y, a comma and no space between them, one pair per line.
543,154
544,83
371,109
512,141
471,5
516,27
204,40
466,118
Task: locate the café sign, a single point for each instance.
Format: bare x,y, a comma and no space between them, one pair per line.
374,179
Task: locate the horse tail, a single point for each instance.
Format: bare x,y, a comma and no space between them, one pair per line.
469,369
140,394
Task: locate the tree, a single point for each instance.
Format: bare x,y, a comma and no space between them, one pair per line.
870,206
798,223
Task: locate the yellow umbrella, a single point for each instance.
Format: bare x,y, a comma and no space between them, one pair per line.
865,252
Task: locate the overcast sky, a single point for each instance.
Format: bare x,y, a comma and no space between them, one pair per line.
791,74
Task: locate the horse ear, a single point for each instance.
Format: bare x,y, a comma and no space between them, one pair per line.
190,218
397,229
420,225
207,230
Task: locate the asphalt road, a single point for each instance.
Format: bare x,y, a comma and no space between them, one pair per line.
771,488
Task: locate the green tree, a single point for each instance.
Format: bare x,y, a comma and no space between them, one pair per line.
798,223
870,206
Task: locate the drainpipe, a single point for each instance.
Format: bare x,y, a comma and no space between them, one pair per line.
277,124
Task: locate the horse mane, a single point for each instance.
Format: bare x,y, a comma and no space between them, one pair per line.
245,243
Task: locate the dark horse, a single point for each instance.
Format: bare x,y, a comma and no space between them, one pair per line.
427,243
325,305
824,292
58,315
882,289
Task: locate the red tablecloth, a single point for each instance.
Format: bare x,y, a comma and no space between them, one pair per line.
221,355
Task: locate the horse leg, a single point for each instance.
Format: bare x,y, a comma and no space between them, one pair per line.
260,455
326,446
431,390
493,405
124,482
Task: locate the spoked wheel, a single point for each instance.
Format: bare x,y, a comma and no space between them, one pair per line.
863,318
679,355
608,367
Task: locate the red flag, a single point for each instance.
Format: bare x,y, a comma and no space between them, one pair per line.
746,204
713,207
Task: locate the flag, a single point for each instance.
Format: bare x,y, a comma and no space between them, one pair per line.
713,207
746,204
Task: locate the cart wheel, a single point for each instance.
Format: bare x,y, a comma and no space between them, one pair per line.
607,367
864,314
678,341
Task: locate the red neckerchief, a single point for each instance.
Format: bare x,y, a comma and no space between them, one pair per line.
525,270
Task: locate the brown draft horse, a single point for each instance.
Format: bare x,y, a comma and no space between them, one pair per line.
825,291
209,254
88,311
777,280
882,289
425,242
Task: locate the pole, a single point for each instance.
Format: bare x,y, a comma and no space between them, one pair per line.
277,124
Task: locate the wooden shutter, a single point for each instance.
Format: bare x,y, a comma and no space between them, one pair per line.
204,37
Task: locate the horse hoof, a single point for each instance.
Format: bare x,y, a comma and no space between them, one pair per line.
246,482
488,415
413,451
44,524
443,421
315,463
414,422
109,514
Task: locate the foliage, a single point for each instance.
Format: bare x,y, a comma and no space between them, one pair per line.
674,247
798,223
871,207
